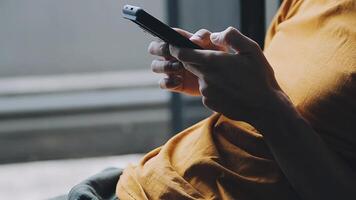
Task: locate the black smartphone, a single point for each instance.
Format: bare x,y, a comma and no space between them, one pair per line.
156,27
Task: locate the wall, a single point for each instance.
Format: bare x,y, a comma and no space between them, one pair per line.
41,37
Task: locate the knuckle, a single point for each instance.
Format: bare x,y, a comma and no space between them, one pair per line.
230,28
229,34
203,33
156,48
202,30
167,66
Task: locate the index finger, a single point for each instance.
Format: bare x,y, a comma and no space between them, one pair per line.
194,56
159,49
184,32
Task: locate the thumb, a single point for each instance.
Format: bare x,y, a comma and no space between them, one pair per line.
234,39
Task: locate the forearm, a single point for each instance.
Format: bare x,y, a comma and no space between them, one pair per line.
313,169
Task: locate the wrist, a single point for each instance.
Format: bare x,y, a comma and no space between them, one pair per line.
276,108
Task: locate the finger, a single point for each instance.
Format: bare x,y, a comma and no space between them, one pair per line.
233,38
171,82
184,32
196,70
197,61
201,37
164,66
188,55
159,48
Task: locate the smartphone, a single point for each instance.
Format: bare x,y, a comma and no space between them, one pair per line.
156,27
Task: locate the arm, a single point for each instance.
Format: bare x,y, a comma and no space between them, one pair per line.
314,170
241,85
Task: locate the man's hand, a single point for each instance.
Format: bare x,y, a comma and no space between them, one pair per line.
238,84
177,78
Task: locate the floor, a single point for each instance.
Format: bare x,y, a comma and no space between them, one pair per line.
45,179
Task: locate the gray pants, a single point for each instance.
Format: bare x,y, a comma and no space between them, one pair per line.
101,186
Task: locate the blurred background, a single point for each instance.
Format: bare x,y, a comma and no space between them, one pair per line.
76,91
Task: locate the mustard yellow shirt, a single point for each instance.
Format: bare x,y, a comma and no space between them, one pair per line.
311,46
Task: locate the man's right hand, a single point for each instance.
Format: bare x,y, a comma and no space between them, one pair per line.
178,79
